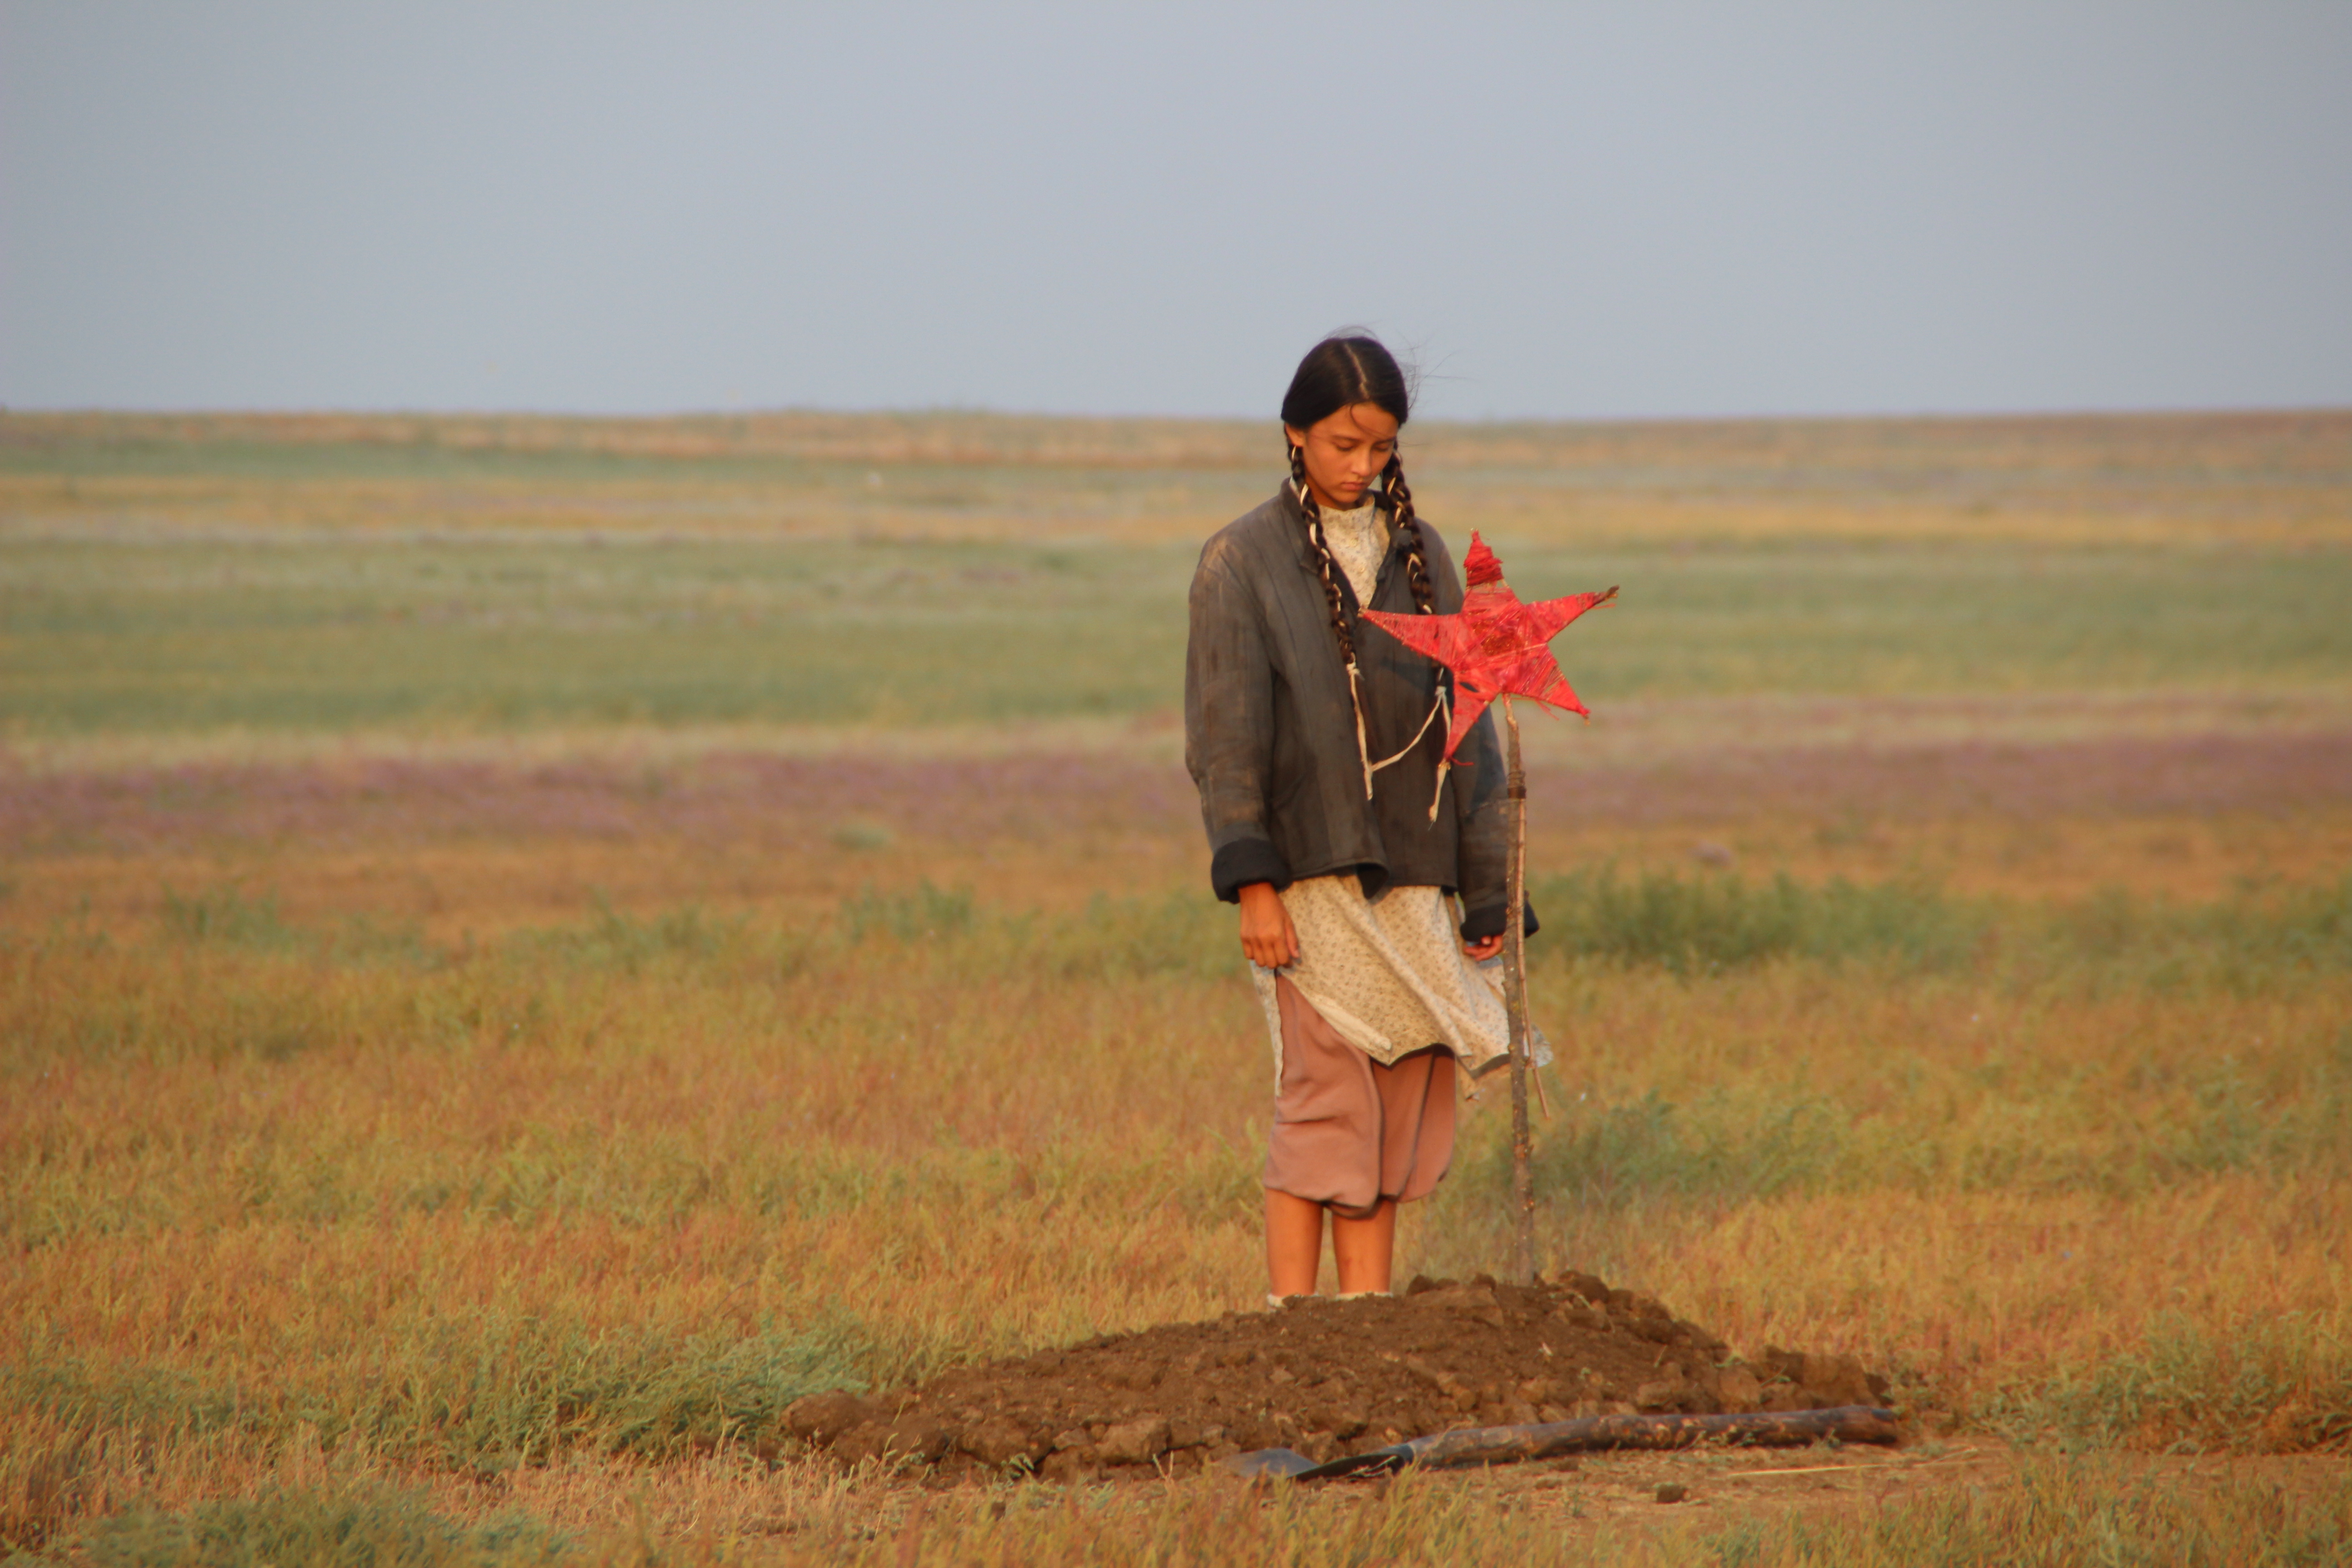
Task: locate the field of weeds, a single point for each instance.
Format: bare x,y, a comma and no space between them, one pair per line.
527,946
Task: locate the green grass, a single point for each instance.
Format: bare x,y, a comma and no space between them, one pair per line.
187,637
2053,1511
635,489
2283,1385
353,1525
326,633
2080,1513
2254,940
477,1391
1883,619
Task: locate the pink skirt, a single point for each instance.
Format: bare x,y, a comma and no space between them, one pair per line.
1348,1132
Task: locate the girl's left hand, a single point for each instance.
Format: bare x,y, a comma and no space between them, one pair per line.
1485,948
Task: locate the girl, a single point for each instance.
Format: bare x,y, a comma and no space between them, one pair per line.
1315,740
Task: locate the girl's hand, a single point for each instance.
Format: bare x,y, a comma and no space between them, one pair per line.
1485,948
1267,935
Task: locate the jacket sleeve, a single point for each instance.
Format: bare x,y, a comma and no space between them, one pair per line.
1229,725
1482,811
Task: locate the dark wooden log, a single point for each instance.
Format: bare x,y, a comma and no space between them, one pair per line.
1510,1445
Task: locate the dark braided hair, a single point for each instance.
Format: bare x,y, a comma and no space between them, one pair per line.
1416,560
1343,370
1324,563
1340,371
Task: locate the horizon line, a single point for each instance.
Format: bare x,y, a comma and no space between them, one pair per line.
941,410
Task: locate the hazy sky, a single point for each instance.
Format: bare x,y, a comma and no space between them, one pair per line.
1567,210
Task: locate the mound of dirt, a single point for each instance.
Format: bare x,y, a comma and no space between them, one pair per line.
1325,1377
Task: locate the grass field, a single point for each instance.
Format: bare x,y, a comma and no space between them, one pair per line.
198,584
527,945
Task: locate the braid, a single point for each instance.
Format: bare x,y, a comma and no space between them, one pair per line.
1342,370
1416,557
1323,561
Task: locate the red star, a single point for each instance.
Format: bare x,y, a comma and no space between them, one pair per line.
1495,647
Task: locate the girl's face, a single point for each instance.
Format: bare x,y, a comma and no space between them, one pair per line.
1345,452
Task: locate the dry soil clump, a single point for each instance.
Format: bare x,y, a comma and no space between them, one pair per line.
1324,1377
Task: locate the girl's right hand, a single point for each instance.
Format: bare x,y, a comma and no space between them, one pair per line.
1267,935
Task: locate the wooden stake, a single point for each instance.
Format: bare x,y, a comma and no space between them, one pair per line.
1515,1000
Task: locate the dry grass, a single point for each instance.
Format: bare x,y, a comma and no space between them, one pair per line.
1954,1507
2236,478
446,891
455,1144
624,1188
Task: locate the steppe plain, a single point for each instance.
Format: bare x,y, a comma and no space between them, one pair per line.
528,944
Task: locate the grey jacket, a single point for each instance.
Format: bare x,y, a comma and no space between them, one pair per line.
1270,735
